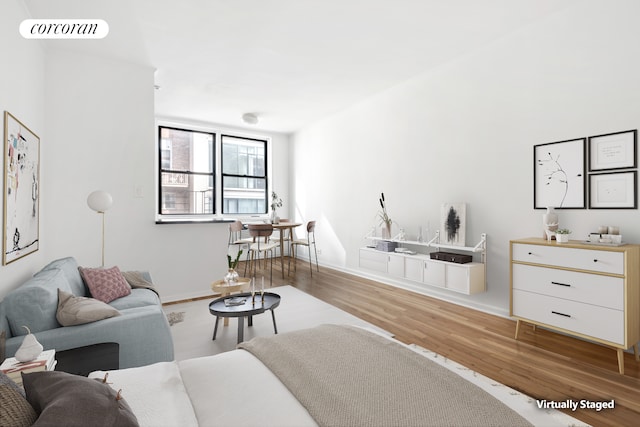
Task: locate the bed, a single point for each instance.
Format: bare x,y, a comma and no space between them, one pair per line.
334,375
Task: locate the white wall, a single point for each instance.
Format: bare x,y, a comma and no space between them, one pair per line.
465,132
21,94
100,114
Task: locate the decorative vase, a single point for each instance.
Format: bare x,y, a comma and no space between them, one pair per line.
231,276
386,231
549,222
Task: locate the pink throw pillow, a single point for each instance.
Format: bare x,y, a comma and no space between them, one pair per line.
105,284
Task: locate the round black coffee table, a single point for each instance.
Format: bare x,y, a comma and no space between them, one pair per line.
248,308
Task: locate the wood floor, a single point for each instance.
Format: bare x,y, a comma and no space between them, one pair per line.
541,364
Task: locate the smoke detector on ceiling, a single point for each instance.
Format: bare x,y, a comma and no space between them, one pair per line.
250,118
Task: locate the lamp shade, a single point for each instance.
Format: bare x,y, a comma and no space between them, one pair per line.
100,201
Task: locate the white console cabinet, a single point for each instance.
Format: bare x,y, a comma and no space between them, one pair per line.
466,278
584,290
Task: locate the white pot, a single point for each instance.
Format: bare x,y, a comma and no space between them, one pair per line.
562,238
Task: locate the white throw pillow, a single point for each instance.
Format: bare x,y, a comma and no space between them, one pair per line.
74,310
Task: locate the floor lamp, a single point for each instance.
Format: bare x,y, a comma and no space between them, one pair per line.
100,201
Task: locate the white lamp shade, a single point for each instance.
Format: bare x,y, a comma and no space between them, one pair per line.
100,201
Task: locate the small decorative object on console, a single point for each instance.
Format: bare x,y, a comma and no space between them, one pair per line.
451,257
550,223
386,245
562,235
384,218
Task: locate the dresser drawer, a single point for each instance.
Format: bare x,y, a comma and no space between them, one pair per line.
590,320
604,291
583,259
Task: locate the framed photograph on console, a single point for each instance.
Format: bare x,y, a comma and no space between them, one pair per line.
559,175
21,190
615,190
613,151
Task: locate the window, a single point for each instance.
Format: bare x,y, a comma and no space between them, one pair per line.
192,183
244,175
187,174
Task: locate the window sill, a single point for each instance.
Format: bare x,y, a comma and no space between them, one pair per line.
194,221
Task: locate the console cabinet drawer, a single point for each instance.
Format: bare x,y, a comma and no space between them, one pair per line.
580,259
604,291
594,321
374,260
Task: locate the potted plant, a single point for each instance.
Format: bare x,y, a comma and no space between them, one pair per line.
562,235
276,202
232,275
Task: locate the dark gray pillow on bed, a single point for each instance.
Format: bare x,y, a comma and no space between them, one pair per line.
71,400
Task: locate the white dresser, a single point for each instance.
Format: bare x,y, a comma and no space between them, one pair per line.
589,291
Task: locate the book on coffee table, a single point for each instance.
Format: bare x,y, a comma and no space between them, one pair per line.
235,301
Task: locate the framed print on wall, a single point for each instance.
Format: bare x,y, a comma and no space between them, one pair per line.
613,151
559,175
21,190
615,190
453,223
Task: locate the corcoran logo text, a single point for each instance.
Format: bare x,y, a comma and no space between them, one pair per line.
64,29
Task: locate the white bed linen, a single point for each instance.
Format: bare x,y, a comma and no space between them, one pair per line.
155,393
236,389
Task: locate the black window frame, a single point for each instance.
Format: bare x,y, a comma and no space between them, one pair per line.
161,170
265,176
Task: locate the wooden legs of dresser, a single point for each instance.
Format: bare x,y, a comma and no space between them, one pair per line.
619,351
620,360
520,322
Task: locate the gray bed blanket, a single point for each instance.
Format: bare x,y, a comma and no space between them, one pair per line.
347,376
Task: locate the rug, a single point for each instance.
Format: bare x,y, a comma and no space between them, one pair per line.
297,310
524,405
175,317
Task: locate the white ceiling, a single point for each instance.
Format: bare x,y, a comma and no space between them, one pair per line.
291,62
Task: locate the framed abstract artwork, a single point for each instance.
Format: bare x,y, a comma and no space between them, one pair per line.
559,179
613,151
453,221
614,190
21,190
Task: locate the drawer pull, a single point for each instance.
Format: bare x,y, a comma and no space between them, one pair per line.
560,314
561,284
595,260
